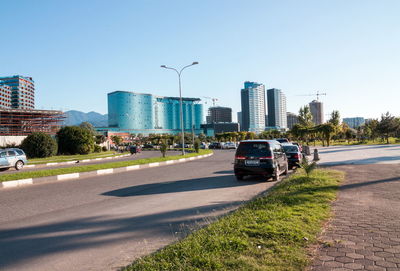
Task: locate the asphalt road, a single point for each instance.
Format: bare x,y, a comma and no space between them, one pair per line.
359,155
142,155
104,222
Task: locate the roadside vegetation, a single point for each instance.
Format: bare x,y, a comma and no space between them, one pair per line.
272,232
66,158
58,171
385,130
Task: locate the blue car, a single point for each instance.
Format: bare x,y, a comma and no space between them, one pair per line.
12,158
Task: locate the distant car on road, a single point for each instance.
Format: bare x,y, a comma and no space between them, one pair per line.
135,149
298,145
215,145
179,146
260,157
12,157
229,145
293,154
148,146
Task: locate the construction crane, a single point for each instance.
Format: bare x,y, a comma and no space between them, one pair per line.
315,94
214,100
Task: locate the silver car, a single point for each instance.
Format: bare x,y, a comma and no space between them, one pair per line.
12,158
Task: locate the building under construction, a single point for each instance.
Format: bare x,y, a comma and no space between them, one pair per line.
23,122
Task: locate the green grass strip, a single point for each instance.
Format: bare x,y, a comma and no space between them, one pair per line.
58,171
66,158
272,232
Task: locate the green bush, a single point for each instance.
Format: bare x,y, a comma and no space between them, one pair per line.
163,148
39,145
75,140
197,146
104,148
97,148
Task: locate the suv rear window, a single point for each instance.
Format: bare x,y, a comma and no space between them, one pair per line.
256,149
19,152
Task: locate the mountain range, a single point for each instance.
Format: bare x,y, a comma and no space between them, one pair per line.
74,117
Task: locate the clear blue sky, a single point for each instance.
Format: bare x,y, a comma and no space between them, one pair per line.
78,51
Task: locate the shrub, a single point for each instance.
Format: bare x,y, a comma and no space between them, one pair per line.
307,166
104,148
39,145
163,148
97,148
75,140
197,146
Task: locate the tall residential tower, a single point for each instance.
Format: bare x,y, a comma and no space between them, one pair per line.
276,108
253,107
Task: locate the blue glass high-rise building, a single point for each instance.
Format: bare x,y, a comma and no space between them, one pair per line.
150,114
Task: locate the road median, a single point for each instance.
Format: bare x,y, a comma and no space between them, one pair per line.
50,175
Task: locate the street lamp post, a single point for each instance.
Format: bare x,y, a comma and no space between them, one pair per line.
180,99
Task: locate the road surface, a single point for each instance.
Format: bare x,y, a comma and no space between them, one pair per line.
104,222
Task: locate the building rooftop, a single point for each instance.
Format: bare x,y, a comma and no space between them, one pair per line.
156,96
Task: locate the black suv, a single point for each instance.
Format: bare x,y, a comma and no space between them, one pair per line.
260,157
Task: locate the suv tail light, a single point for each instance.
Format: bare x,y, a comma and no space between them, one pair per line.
240,157
296,156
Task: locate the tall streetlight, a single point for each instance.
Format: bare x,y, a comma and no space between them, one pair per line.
180,99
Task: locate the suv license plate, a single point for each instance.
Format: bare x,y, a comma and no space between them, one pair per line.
252,162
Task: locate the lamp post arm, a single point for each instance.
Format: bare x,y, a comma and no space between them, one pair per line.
185,68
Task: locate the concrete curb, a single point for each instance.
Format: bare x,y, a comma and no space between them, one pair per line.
77,161
72,176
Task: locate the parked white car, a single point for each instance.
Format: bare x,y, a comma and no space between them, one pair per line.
229,145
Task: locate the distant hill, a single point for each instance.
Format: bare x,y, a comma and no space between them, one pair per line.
77,117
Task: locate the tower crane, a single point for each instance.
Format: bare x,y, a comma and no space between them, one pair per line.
314,94
214,100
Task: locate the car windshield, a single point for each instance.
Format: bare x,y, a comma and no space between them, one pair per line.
255,149
290,148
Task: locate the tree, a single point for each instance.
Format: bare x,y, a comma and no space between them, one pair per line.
350,134
99,139
196,145
372,125
335,118
116,139
326,130
305,117
39,145
88,126
335,121
75,140
163,147
250,135
387,126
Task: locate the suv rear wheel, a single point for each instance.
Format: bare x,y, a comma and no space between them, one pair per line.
19,165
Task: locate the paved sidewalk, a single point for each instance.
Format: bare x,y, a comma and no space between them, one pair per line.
364,233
